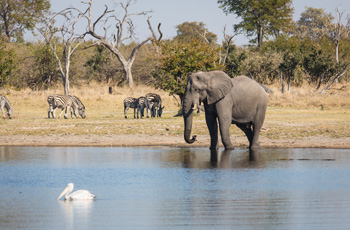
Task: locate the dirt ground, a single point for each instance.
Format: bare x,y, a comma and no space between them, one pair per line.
163,140
299,119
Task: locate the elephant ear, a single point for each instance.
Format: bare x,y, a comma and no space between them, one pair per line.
219,86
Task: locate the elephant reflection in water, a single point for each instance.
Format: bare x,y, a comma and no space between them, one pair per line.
233,159
223,159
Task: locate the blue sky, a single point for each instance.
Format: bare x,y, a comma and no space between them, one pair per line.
174,12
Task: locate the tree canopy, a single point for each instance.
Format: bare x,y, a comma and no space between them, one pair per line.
19,15
188,31
314,23
260,18
178,60
303,55
7,62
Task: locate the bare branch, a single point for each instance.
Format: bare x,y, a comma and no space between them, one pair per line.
102,15
203,35
336,77
152,31
160,32
227,41
122,24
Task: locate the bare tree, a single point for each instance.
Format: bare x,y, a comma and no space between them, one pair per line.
337,31
115,40
65,36
227,43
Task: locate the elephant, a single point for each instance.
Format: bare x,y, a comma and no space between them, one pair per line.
240,101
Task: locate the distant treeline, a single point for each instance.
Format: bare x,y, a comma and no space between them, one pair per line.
315,50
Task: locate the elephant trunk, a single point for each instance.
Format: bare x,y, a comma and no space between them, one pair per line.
188,118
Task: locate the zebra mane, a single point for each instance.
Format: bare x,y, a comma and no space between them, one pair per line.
79,102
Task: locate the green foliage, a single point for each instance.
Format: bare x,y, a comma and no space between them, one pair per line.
45,67
320,66
258,65
262,66
100,65
305,56
188,31
7,62
18,15
181,59
234,61
291,66
314,23
260,18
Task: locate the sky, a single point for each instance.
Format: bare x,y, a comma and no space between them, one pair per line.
174,12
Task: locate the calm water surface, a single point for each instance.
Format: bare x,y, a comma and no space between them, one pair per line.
175,188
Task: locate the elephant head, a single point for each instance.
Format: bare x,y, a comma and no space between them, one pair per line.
206,87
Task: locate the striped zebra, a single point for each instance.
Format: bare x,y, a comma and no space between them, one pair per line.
130,102
63,102
4,102
81,107
141,106
154,105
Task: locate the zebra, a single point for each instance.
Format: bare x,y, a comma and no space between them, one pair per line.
4,102
154,105
63,102
130,102
141,105
81,107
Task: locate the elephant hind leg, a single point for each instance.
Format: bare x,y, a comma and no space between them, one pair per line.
247,129
256,132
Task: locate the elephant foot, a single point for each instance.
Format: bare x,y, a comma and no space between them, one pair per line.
229,148
254,147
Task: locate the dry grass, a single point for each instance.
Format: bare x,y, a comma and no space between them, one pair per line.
307,98
296,115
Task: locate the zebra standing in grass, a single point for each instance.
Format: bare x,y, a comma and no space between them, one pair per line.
141,105
63,102
154,105
4,102
130,102
81,107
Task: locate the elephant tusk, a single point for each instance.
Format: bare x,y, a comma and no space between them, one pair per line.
195,106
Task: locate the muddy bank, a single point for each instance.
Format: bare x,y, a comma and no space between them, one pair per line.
164,140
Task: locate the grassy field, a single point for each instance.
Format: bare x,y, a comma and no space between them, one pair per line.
297,116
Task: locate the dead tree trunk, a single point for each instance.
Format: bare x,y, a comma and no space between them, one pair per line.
336,77
115,41
69,40
283,85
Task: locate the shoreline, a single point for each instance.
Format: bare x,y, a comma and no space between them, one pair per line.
163,140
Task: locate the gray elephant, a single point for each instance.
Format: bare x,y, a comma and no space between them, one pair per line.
240,101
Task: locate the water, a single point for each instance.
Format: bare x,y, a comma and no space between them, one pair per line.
175,188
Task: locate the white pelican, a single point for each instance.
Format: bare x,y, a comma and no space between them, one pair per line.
77,195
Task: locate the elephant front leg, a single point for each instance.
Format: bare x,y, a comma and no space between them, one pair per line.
225,123
213,130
